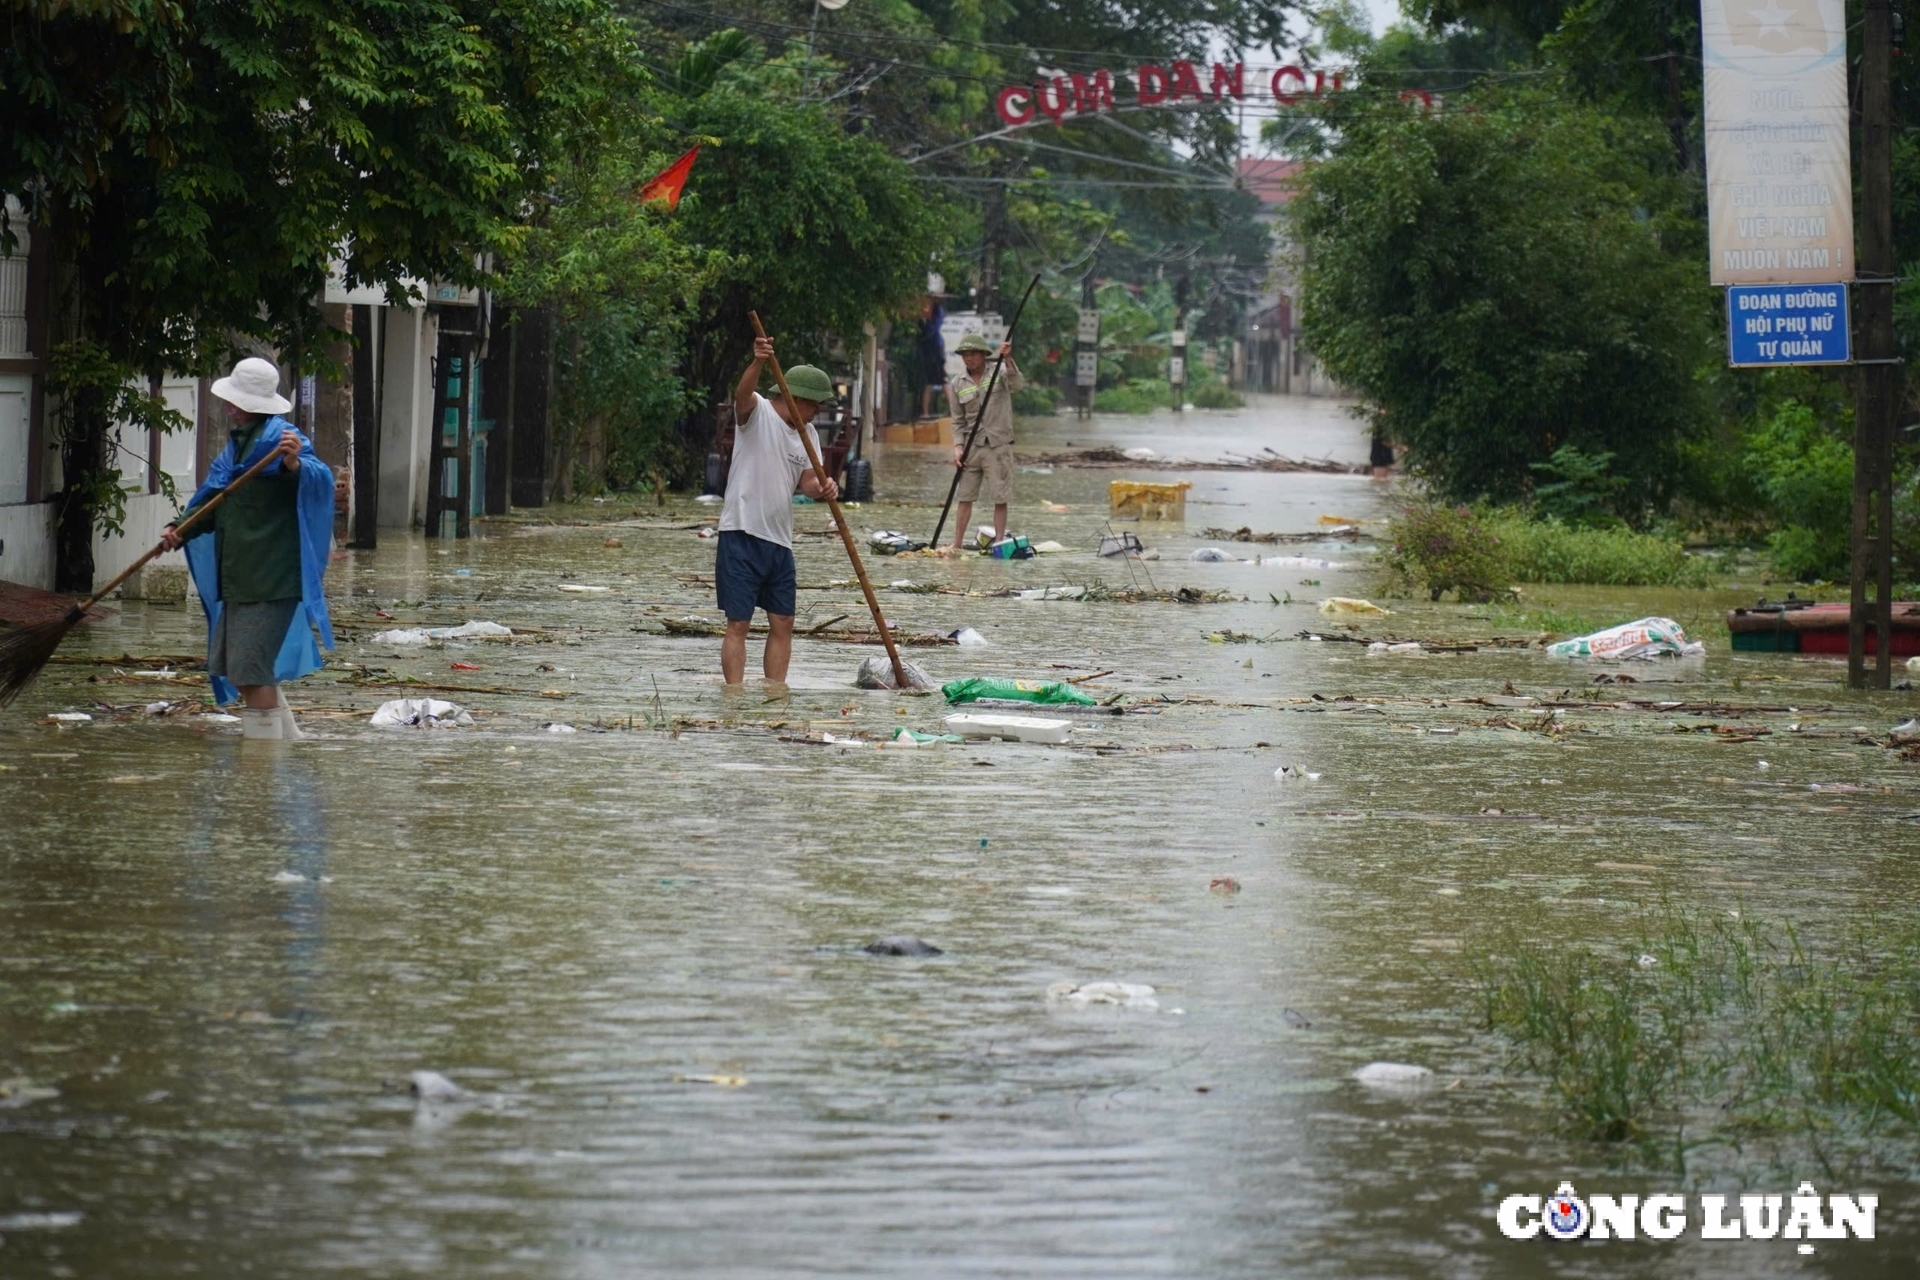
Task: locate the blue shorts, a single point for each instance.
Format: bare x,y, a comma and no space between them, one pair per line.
751,573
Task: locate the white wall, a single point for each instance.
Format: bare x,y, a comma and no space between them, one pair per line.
16,419
149,513
406,411
26,544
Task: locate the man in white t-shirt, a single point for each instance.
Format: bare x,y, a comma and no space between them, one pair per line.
753,566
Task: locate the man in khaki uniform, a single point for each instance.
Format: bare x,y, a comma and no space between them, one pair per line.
990,465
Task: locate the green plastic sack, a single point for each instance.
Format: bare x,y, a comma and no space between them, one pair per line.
918,739
1052,691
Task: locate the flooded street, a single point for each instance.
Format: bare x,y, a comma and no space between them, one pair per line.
637,946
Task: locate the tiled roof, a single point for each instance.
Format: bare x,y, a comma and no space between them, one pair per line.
1270,180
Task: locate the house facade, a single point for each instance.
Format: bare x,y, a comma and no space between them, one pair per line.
1271,356
399,436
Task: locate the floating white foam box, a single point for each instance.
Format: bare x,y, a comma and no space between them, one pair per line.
1015,728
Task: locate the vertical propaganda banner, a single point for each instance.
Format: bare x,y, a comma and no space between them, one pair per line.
1779,179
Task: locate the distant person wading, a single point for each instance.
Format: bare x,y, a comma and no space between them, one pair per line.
258,566
753,567
988,469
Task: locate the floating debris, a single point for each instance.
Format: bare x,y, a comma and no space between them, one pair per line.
1245,534
1349,605
1128,995
421,713
19,1091
901,944
877,673
431,1086
1114,457
1394,1075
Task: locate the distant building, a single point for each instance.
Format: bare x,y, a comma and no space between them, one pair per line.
1269,355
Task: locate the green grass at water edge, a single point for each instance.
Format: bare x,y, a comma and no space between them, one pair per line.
1715,1029
1478,553
1549,551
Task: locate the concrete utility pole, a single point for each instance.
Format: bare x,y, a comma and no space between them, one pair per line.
1086,347
1877,396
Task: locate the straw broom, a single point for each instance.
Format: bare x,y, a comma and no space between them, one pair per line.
25,650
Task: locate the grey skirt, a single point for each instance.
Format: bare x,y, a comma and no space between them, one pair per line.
247,639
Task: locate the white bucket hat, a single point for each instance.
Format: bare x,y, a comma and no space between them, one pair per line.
254,385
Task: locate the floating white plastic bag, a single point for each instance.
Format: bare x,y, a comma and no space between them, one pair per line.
1642,638
1212,555
410,635
876,672
1128,995
421,713
470,630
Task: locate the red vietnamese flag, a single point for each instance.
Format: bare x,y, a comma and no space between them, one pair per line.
669,184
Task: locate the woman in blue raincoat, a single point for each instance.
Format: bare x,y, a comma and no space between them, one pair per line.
259,566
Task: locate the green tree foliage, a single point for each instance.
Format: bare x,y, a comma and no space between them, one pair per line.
919,79
1638,57
1805,473
622,284
1501,280
815,228
198,165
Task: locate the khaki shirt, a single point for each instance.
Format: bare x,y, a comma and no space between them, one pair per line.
966,395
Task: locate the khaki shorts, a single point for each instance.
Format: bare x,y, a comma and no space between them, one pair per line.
993,468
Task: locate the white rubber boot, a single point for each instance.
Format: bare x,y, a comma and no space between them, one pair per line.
289,727
260,724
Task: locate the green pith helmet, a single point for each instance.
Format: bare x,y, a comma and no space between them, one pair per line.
974,342
809,383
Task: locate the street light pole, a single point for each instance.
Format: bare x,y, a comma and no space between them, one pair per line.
806,73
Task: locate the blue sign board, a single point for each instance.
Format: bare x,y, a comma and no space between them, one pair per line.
1769,324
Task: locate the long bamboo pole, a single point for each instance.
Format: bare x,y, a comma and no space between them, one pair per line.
979,416
25,650
839,520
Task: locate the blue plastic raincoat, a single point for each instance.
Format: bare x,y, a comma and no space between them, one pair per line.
299,655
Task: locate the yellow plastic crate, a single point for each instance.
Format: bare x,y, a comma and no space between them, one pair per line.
1148,501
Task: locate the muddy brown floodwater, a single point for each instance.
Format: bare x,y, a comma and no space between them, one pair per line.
637,946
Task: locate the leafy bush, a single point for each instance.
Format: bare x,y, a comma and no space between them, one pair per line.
1138,395
1037,398
1550,551
1438,548
1480,552
1580,488
1805,473
1216,395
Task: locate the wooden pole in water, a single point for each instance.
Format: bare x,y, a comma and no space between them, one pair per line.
839,520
